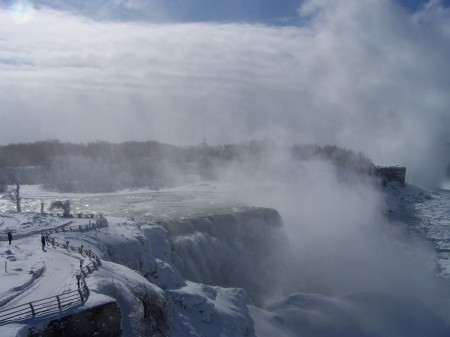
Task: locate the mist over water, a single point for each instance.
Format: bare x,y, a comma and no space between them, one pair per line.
341,240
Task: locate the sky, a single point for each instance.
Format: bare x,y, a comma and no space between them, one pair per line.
369,75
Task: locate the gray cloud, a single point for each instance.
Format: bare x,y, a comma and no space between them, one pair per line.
366,75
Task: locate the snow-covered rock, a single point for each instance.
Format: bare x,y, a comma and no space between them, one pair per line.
363,314
206,311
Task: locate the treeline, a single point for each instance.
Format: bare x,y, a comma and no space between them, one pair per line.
345,160
107,167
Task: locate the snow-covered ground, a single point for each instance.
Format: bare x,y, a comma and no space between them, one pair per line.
138,259
427,212
192,309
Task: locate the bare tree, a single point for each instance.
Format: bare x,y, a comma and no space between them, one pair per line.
14,195
18,197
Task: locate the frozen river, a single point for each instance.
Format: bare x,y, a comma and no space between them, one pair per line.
180,202
429,215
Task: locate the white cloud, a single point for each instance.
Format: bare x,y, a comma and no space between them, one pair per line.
362,74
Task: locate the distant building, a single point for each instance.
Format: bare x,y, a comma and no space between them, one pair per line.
392,173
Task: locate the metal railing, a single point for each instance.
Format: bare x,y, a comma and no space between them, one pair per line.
62,301
98,222
45,306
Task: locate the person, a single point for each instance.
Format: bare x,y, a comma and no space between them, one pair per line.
9,237
43,242
78,280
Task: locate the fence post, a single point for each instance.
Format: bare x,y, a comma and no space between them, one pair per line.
32,309
81,295
59,303
85,289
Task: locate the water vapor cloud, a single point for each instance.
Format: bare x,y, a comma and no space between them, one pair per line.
366,75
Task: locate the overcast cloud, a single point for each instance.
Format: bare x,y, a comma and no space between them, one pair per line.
364,74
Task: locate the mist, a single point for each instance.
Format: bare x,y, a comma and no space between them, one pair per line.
365,75
341,240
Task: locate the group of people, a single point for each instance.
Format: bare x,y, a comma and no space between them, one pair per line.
10,238
43,240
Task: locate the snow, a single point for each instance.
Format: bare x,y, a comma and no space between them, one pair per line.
26,265
129,251
426,213
365,313
139,263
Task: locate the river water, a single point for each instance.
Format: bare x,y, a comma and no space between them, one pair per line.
147,204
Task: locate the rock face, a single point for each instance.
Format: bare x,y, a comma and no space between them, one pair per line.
100,321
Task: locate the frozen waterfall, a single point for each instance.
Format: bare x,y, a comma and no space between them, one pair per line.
246,248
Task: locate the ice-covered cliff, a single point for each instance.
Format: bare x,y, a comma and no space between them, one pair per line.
221,254
246,247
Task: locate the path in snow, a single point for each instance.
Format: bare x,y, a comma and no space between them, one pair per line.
33,274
